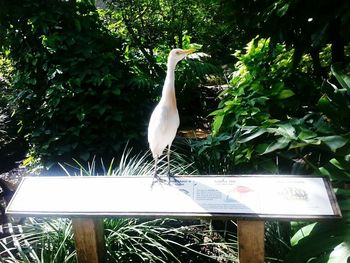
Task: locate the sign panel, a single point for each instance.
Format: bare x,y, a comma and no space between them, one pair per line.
189,196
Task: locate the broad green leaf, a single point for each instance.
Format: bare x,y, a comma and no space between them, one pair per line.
334,142
295,145
285,94
186,40
223,137
281,143
102,109
347,158
302,233
270,166
256,134
341,253
306,134
304,143
340,164
195,46
328,107
216,112
345,205
342,77
318,243
217,123
334,173
116,91
341,191
285,130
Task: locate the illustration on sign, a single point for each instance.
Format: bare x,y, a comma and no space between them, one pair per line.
260,195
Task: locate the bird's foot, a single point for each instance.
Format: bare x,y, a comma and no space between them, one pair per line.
157,179
172,177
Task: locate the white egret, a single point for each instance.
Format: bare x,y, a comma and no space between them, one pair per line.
165,119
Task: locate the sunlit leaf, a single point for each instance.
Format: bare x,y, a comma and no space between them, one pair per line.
341,253
281,143
286,130
302,233
342,77
217,123
256,134
286,93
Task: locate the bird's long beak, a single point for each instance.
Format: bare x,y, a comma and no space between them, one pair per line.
187,51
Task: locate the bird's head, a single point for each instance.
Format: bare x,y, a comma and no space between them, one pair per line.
178,54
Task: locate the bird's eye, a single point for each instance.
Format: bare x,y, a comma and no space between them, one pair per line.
178,53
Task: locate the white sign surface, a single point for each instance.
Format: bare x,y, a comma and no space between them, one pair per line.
190,196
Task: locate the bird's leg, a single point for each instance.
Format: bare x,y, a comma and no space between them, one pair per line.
170,175
168,157
156,177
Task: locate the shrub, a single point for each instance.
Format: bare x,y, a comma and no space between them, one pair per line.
274,119
70,82
12,147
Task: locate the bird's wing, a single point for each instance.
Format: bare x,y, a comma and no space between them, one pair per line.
162,128
158,122
157,130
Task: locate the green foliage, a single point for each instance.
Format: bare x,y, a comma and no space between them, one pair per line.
321,242
127,240
264,124
330,242
277,240
12,147
148,24
129,165
151,29
85,81
256,86
70,81
307,26
159,240
81,82
5,80
6,69
263,93
42,240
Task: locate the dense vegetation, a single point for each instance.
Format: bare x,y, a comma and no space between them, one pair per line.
70,86
79,82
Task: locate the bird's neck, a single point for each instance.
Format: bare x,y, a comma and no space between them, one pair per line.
168,93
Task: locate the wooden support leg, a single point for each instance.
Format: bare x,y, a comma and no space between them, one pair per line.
89,240
251,241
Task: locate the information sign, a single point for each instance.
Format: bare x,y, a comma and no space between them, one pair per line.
189,196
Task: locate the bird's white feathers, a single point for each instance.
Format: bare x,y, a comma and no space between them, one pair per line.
165,119
162,128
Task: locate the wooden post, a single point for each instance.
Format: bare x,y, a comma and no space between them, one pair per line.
251,241
89,240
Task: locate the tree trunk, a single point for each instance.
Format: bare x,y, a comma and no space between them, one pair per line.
315,55
337,41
